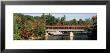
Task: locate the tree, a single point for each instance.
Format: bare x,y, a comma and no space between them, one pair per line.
58,21
93,28
88,22
80,22
63,20
74,22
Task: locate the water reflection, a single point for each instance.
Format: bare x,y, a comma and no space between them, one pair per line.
77,36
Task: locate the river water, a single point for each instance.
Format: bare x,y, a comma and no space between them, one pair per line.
77,36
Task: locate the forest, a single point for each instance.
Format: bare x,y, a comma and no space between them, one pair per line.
28,27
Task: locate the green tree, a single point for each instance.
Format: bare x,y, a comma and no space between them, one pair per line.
80,22
74,22
63,20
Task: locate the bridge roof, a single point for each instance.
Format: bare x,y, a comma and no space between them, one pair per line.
75,27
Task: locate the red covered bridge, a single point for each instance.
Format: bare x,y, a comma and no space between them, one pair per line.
66,27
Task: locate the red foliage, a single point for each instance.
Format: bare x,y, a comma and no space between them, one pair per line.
25,34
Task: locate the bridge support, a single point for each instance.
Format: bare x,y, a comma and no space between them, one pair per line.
71,35
46,36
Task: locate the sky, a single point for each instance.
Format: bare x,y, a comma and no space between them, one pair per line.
68,16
